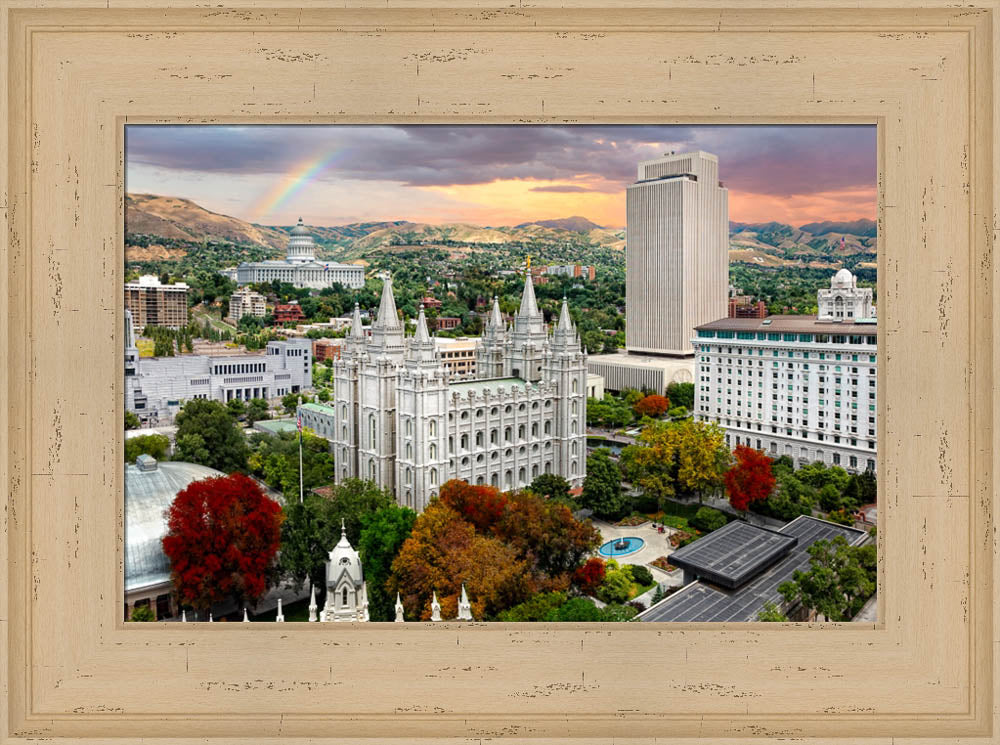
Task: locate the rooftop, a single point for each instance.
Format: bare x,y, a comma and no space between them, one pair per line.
489,384
275,426
734,553
319,408
704,601
641,360
790,323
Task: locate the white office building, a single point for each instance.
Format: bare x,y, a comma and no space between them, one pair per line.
799,386
246,302
300,268
156,387
676,252
401,419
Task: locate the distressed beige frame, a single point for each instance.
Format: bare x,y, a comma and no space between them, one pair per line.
75,71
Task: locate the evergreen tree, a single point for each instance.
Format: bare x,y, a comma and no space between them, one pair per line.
602,487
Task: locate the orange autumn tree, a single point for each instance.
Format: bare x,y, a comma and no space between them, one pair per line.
505,547
750,479
652,405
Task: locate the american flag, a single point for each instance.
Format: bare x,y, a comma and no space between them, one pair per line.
298,420
843,242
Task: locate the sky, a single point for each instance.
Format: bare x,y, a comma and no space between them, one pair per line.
493,174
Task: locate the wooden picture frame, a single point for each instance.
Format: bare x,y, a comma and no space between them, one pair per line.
74,72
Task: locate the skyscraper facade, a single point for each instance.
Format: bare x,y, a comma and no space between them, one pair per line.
676,256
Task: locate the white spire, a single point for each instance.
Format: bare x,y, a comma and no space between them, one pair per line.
435,608
565,322
422,335
464,606
496,319
357,331
312,604
529,308
246,618
210,616
387,316
280,618
399,609
184,616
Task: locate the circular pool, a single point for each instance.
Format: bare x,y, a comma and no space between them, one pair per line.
621,546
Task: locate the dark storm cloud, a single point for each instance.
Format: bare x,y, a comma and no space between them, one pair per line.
773,160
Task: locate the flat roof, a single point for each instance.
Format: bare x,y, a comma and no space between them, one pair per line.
642,360
799,324
275,426
319,408
488,384
703,601
734,553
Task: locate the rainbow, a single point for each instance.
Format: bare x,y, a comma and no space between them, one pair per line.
293,183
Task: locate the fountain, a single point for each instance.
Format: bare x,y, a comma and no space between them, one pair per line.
621,546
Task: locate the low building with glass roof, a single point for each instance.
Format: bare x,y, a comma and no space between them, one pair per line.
150,488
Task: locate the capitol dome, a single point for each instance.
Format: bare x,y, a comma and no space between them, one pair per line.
300,229
842,280
150,488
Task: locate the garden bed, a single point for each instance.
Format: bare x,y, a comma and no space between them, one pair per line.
632,521
663,562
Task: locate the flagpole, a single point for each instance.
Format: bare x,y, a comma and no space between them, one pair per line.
298,416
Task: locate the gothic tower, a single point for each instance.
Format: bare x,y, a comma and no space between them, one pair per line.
565,364
490,351
346,370
377,394
422,399
528,339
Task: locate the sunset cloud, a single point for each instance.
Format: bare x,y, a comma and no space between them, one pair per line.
493,174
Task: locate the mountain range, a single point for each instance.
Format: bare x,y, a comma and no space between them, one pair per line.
171,226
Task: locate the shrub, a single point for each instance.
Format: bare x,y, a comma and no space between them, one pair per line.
575,609
642,575
141,613
678,412
154,445
637,604
617,613
709,519
616,585
589,576
534,609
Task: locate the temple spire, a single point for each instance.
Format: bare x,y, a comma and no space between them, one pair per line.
435,608
388,318
565,322
357,331
399,609
496,319
280,617
529,306
422,336
312,604
464,606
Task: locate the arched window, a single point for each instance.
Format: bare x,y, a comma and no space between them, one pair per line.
506,434
572,468
548,427
409,451
343,598
508,479
371,431
479,439
432,427
548,466
534,471
574,448
572,427
464,442
371,470
344,433
520,432
409,426
494,480
434,477
409,476
534,429
520,475
493,437
575,406
479,480
575,386
433,451
451,444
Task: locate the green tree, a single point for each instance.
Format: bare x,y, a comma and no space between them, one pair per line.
132,421
383,533
602,487
534,609
256,410
154,445
771,613
681,394
236,407
617,613
290,401
617,583
838,583
575,609
550,485
207,434
708,519
142,613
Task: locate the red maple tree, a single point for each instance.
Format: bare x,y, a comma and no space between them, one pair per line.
480,505
222,538
750,478
652,405
589,576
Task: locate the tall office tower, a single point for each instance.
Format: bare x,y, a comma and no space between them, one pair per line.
676,256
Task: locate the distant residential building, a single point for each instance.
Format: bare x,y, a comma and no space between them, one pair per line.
327,350
300,268
458,355
246,302
156,387
155,304
676,260
742,306
446,323
572,270
799,386
430,302
845,300
288,313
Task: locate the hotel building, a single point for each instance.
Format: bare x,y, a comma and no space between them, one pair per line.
801,386
155,304
246,302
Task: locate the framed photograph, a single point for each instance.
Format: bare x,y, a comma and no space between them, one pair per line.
499,373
